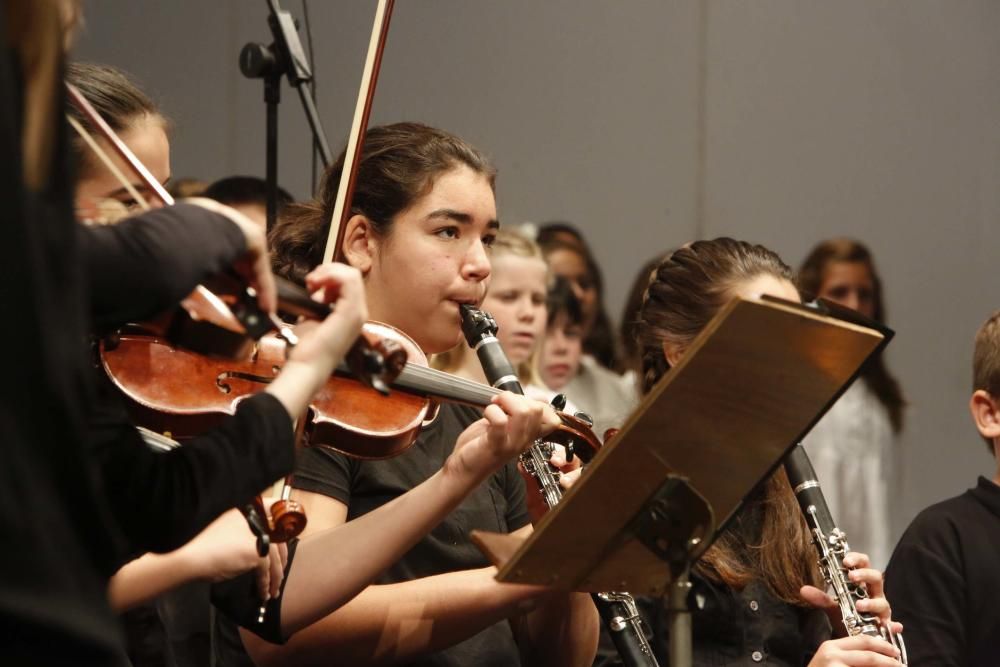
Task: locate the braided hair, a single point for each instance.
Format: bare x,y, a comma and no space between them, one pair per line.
769,540
688,288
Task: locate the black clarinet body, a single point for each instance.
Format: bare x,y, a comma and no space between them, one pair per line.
831,547
618,610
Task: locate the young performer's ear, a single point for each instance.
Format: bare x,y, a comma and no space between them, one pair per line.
359,243
986,414
672,351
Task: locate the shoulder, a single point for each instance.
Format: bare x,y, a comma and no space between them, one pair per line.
939,535
592,371
937,523
948,515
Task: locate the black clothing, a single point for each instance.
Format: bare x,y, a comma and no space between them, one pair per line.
943,581
74,501
497,505
730,627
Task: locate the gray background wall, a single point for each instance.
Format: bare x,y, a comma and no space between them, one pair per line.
652,123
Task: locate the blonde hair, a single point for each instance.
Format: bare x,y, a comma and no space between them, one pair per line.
506,243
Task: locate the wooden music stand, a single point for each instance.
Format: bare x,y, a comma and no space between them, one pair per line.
653,499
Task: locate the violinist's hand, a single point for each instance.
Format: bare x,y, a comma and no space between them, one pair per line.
876,604
509,425
322,345
226,548
255,265
328,341
569,472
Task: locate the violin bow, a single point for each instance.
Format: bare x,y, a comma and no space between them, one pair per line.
77,99
355,141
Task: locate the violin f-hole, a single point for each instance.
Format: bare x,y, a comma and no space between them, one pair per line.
226,388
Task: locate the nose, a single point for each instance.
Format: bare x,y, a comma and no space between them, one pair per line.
852,301
476,263
526,309
557,343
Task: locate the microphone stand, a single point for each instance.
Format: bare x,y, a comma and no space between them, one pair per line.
282,57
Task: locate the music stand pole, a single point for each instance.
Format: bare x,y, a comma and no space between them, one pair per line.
283,57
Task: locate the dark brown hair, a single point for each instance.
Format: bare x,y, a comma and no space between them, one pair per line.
874,373
685,291
561,300
631,355
600,342
114,95
986,361
399,164
245,190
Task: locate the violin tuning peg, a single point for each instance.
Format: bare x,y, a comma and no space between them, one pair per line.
558,402
584,417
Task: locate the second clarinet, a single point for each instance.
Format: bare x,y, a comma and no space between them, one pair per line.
831,546
618,610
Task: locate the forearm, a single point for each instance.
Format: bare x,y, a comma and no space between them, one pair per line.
393,624
334,565
148,576
562,631
187,488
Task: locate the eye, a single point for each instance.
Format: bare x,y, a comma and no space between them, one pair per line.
538,299
489,239
447,232
838,292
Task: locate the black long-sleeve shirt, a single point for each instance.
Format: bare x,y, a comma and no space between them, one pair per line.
943,581
72,500
181,488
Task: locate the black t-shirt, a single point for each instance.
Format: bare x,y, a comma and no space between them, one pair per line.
943,581
497,505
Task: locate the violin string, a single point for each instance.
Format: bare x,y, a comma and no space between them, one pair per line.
451,386
445,385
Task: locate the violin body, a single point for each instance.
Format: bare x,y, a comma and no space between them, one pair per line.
180,393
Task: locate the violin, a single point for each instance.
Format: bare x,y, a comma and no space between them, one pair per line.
347,415
204,321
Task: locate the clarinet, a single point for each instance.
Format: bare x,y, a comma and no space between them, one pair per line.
618,610
831,545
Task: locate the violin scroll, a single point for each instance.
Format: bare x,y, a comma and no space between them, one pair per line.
285,521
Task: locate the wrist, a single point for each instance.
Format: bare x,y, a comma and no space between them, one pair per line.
296,385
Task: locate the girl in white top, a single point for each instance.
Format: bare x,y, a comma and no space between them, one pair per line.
854,447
